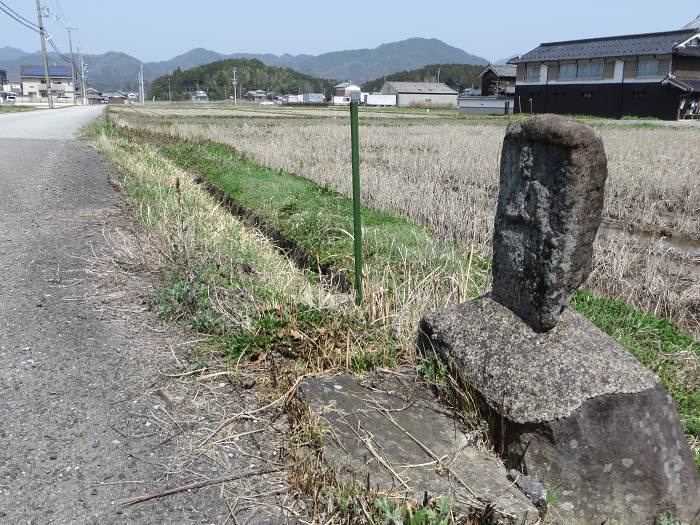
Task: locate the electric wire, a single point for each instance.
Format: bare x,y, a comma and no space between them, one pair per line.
30,25
16,14
58,52
5,8
17,19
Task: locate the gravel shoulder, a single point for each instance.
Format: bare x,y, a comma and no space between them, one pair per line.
91,411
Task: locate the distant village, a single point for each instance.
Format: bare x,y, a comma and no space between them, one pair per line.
653,75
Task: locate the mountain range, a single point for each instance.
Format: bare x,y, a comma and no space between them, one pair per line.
115,70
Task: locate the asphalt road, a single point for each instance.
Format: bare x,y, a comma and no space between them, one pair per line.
59,124
71,382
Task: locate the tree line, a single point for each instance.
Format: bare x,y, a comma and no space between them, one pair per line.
216,79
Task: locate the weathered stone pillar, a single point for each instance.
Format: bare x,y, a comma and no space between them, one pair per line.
553,175
567,404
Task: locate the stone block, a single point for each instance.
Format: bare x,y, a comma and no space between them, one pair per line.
574,410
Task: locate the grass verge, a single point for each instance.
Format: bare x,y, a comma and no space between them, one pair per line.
407,273
12,108
228,283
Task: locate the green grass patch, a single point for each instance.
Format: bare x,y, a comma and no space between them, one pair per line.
351,504
318,219
322,337
217,283
15,108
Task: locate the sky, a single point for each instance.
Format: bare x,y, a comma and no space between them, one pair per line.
152,30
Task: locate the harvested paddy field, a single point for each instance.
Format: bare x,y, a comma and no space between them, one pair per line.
289,312
441,171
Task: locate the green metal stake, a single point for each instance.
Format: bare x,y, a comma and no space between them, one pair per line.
355,139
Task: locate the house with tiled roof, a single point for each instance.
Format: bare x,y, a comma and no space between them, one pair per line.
646,75
498,79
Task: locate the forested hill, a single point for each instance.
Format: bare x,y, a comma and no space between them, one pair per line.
216,79
457,76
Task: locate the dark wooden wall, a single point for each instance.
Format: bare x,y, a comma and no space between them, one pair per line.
604,100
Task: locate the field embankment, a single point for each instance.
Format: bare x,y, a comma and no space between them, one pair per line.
408,270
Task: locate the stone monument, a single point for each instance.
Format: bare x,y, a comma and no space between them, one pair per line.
567,405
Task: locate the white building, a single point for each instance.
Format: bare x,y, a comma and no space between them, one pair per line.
348,89
33,82
377,99
200,96
341,101
292,99
314,98
421,94
478,105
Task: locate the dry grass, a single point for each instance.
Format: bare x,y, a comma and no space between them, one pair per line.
186,229
447,173
223,415
187,232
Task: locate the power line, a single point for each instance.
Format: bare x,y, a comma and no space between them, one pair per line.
58,51
30,25
17,19
16,14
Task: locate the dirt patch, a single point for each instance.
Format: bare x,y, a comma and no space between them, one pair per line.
198,403
101,402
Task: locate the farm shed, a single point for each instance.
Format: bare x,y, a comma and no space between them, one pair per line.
645,75
348,89
421,94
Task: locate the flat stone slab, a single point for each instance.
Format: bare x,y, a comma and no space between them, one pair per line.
391,427
528,376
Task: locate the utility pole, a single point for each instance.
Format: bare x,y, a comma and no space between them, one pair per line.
235,100
170,98
43,52
83,78
438,75
72,59
142,93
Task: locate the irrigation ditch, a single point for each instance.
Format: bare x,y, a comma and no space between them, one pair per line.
339,281
681,245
